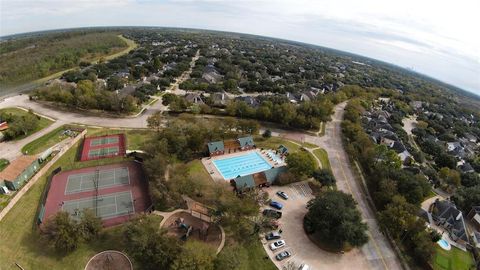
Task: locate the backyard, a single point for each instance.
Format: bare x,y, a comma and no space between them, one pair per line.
454,259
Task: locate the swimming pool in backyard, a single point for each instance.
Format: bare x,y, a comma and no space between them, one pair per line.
249,163
444,244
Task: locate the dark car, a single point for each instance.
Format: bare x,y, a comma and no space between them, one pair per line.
276,205
283,255
282,195
272,213
272,236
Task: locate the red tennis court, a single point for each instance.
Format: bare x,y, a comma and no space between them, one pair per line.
114,192
103,147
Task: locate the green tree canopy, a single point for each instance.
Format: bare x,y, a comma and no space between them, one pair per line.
301,163
334,218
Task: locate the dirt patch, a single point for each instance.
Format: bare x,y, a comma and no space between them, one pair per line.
109,260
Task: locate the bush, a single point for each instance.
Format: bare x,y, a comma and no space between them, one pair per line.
267,134
324,176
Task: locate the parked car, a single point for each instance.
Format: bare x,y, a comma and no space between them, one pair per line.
282,195
272,236
277,244
272,213
276,205
283,255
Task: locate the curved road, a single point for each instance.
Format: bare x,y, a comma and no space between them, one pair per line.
376,254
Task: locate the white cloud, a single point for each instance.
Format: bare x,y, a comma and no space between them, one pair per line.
436,37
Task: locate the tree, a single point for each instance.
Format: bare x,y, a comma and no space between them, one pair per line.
155,121
334,218
195,256
232,258
149,245
467,197
450,177
324,176
398,216
267,134
89,225
446,160
61,232
301,163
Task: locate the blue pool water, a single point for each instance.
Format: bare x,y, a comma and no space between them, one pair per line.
444,244
242,165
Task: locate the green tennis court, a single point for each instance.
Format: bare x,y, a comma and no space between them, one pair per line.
105,140
106,178
107,206
101,152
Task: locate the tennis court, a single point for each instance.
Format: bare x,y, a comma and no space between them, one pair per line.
102,152
106,206
105,178
104,140
122,192
106,146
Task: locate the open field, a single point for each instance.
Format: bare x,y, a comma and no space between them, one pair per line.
32,83
46,141
454,259
275,142
42,123
20,238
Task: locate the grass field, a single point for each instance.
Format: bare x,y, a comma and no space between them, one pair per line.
46,141
323,156
3,163
275,142
454,259
20,239
135,137
42,123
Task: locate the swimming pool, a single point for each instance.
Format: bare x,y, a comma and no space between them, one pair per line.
444,244
246,164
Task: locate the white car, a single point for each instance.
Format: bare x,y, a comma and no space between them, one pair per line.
277,244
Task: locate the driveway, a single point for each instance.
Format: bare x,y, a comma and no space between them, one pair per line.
304,250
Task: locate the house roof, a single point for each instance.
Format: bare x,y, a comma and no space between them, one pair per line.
246,141
17,167
447,212
273,173
215,146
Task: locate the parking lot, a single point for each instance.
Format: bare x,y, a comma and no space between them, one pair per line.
297,242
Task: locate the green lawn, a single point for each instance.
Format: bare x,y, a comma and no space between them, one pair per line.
323,156
256,257
46,141
20,238
454,259
3,163
275,142
42,123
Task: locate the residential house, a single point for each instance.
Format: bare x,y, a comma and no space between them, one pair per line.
211,74
446,215
474,217
251,101
194,98
220,98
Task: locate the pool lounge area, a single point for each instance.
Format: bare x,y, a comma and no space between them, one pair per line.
241,165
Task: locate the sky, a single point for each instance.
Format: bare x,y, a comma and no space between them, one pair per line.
435,37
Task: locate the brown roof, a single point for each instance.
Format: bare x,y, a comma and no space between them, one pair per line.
231,144
17,167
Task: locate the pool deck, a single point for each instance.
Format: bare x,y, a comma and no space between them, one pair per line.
217,176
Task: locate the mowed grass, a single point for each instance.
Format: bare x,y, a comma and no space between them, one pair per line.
3,163
20,237
454,259
46,141
323,156
275,142
42,123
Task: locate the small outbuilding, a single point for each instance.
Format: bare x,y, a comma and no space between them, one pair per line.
19,171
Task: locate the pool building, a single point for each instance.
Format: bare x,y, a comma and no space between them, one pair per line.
242,164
